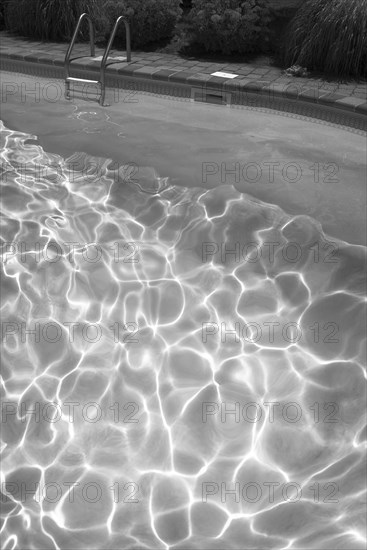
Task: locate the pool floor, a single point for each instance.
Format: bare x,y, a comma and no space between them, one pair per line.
183,327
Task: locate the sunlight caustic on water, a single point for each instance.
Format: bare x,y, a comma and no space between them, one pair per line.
162,389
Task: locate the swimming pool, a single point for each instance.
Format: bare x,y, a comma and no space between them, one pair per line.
183,324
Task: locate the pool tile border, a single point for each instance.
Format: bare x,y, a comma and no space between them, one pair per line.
362,108
290,90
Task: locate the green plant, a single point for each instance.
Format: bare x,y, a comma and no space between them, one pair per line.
2,13
229,26
50,19
330,36
21,17
150,20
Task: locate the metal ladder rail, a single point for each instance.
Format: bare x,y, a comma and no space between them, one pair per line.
68,78
107,52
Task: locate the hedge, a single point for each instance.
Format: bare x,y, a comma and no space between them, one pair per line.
230,26
49,19
150,20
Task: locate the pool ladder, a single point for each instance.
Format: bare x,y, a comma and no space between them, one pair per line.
102,81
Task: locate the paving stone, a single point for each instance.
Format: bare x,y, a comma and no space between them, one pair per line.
180,76
162,74
59,62
198,79
145,72
329,98
260,71
353,101
216,82
310,94
129,69
362,108
255,85
32,56
256,77
235,84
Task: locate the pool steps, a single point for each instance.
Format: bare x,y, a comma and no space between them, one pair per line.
102,79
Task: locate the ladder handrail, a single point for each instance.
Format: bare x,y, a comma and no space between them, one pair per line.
72,42
100,82
107,52
108,48
110,42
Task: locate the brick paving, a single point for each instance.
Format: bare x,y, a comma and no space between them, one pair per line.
254,77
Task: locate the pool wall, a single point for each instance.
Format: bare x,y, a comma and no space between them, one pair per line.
348,112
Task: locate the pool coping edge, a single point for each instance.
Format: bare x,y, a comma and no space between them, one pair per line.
193,80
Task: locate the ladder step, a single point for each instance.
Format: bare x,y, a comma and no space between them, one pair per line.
82,80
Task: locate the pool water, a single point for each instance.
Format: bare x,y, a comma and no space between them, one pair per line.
193,353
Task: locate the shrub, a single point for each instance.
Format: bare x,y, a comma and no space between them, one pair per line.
2,13
186,5
50,19
21,17
150,20
281,14
330,36
230,25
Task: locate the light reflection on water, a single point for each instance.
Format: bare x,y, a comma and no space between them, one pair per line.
164,372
